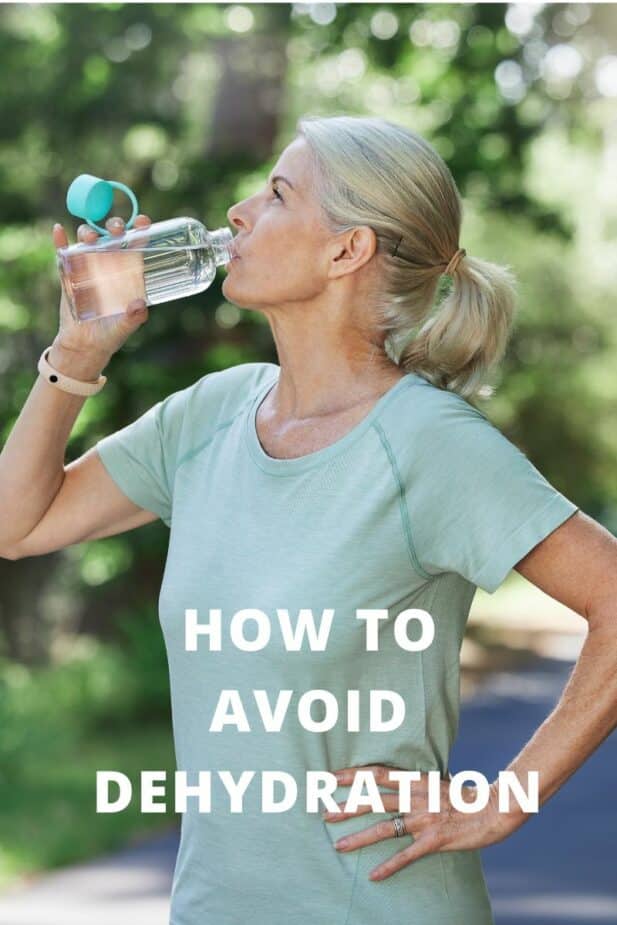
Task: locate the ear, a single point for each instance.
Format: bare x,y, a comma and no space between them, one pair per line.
352,250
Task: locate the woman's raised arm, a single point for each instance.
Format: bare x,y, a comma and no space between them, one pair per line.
45,505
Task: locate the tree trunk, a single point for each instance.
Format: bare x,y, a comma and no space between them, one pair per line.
249,95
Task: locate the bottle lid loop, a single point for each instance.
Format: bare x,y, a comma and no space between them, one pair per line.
91,198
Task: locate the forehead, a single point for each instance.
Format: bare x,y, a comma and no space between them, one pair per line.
294,163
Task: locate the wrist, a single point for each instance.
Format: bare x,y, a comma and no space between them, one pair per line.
83,365
508,820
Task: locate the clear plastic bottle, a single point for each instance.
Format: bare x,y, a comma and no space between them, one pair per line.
168,260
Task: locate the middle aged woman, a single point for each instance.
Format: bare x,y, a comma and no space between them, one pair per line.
351,482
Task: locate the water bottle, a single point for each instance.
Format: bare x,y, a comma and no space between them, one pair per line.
168,260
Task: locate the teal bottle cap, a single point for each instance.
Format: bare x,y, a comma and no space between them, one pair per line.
91,198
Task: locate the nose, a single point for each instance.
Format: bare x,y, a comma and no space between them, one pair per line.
234,217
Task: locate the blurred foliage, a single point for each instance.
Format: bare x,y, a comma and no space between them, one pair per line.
101,706
191,105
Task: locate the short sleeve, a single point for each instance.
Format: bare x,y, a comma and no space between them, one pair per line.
141,457
477,504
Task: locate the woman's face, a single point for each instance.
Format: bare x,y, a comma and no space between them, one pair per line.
280,239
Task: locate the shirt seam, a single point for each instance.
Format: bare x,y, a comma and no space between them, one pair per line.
353,888
406,524
163,511
161,439
190,454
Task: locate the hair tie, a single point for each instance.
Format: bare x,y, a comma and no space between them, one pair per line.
455,260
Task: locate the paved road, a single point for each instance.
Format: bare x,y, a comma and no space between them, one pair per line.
127,888
541,875
559,868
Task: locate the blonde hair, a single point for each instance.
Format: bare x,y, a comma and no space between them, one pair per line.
369,171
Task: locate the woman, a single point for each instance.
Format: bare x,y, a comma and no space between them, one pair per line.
355,475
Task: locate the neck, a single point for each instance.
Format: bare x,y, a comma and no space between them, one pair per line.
326,372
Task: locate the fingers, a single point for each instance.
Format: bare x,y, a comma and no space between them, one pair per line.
390,803
421,847
381,775
116,225
378,832
59,236
137,310
88,235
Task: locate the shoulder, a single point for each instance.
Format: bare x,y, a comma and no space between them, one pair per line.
426,424
225,392
421,407
191,414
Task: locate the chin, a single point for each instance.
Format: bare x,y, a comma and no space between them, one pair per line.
233,294
229,291
237,300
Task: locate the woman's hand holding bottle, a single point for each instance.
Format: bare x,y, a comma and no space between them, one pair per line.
83,350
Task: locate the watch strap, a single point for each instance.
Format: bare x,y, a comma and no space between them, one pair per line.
66,383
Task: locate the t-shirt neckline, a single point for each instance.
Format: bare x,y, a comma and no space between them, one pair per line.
277,466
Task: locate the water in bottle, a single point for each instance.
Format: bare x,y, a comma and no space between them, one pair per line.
168,260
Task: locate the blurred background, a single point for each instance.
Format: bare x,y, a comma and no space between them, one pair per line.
190,105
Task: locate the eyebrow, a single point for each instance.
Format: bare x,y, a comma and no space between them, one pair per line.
284,180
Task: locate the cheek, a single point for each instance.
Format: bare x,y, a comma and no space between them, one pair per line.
291,275
281,264
271,282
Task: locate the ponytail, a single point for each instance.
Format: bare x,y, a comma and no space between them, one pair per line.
467,334
369,171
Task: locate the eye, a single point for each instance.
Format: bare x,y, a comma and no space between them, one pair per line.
276,193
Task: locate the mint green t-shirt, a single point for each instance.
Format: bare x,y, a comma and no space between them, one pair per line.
419,503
